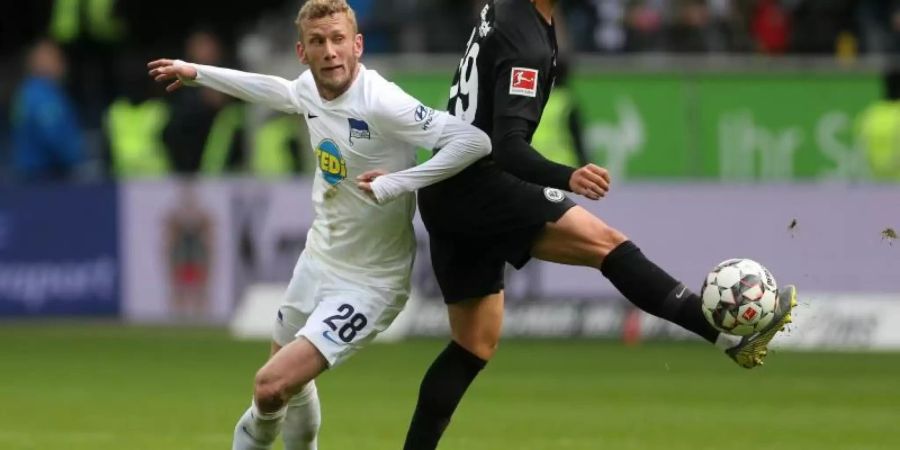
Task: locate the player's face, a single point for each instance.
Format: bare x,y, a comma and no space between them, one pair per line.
331,48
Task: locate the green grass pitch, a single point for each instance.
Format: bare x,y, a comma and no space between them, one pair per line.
107,387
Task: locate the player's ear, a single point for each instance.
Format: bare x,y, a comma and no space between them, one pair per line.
358,45
301,53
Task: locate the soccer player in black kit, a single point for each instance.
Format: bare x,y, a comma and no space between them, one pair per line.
510,207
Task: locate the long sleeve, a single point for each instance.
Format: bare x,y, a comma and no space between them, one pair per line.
461,144
517,112
267,90
514,154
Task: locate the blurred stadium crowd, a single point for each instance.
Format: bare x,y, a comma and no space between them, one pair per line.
75,101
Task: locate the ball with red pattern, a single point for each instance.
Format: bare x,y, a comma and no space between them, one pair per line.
739,297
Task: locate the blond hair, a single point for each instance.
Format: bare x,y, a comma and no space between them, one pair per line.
317,9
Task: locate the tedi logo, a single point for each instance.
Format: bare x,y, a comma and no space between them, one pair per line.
331,162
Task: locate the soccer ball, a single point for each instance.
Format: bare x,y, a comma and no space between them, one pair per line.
739,297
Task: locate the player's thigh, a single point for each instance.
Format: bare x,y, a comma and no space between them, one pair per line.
476,324
577,238
465,267
299,301
348,317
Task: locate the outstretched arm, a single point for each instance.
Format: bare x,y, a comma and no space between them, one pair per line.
271,91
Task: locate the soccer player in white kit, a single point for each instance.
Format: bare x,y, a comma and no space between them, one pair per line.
353,278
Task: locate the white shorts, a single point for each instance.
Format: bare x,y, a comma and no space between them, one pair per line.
338,316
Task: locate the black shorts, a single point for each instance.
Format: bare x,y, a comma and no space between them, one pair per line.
478,221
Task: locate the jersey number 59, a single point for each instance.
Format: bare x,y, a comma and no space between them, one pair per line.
464,92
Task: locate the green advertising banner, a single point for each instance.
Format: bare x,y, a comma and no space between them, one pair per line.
784,127
734,127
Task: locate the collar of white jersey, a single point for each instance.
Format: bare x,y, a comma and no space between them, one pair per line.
357,81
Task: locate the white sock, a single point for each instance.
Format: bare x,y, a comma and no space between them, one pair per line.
257,430
726,341
302,420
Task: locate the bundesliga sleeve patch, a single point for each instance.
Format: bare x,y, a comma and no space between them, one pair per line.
523,82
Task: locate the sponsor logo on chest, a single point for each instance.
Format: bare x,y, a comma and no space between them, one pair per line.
331,162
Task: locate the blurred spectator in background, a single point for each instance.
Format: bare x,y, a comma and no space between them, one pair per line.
580,20
559,136
277,147
879,25
699,26
93,35
106,42
47,138
375,23
816,25
646,24
448,23
691,29
134,124
204,132
878,128
609,34
613,26
770,26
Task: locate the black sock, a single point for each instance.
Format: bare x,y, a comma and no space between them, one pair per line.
655,291
442,388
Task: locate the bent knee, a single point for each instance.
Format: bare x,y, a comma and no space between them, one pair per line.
483,346
601,240
269,392
608,239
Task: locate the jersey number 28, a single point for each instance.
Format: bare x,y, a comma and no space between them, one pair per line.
354,325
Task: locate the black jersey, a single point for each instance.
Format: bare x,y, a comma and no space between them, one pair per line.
492,212
508,69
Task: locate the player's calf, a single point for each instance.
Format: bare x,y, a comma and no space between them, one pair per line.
580,238
302,420
443,386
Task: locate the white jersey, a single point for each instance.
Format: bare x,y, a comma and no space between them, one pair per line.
368,127
373,125
353,279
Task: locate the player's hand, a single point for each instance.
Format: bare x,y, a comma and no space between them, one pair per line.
166,70
365,179
591,181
